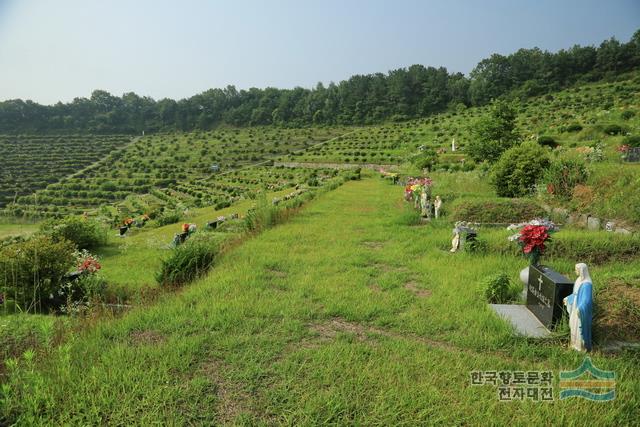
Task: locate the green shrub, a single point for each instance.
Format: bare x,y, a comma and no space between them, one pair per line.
632,141
170,217
519,169
563,175
32,272
84,233
356,174
188,261
628,114
613,129
547,141
425,160
78,294
495,210
574,127
475,245
498,289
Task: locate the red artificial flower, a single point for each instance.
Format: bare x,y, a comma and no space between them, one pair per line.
533,237
90,265
623,148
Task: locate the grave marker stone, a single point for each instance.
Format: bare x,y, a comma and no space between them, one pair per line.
545,291
633,155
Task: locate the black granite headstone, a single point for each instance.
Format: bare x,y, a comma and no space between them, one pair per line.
545,291
633,155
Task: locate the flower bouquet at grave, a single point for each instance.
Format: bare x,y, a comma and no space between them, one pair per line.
623,150
415,186
532,237
87,263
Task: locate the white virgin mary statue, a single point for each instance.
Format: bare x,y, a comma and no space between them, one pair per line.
580,308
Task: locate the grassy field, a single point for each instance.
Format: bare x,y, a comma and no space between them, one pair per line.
345,315
130,263
17,229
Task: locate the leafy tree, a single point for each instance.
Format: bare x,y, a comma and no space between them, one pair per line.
425,160
400,94
494,133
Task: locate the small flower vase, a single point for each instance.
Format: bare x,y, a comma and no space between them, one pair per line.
534,257
524,276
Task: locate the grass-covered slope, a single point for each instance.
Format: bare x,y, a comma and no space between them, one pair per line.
347,314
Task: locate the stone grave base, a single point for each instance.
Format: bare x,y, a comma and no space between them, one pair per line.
522,319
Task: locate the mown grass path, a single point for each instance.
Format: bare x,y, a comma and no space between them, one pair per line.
344,315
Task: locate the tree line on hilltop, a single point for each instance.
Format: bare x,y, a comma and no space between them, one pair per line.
405,93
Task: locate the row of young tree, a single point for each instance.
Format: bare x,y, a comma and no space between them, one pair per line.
401,94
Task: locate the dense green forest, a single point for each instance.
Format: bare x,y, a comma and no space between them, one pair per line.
401,94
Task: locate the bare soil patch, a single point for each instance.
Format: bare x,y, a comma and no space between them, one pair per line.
373,244
147,337
232,399
419,292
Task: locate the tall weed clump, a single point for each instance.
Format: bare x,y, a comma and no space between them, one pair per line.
410,216
262,216
564,175
33,272
498,289
188,261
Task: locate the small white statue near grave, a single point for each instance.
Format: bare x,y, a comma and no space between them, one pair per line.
455,243
580,308
461,227
437,204
425,204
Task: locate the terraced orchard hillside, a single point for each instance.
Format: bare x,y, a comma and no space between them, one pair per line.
219,191
168,166
584,115
32,162
591,122
387,144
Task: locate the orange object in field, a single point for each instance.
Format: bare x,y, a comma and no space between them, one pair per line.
185,228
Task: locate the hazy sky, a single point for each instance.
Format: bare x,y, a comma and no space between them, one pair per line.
54,50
